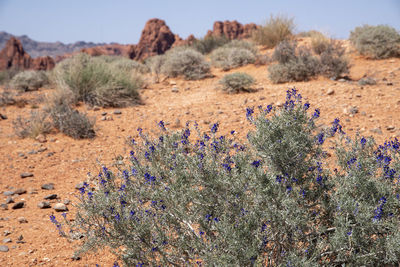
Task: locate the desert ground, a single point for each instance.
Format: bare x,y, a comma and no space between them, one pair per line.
371,110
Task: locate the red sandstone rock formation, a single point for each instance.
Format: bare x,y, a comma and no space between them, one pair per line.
232,29
156,38
43,63
14,56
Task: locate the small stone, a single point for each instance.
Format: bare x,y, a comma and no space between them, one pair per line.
42,149
175,89
262,98
41,138
103,113
3,248
172,82
117,112
353,110
60,207
390,128
49,186
330,91
342,80
21,155
79,185
50,154
67,201
9,200
96,108
20,191
51,196
18,205
389,84
104,118
7,240
6,233
4,117
367,81
22,220
279,104
44,205
32,152
20,237
8,193
4,206
26,174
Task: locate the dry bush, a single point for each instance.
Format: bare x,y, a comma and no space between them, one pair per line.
38,123
376,42
208,44
333,62
155,63
274,31
29,80
7,75
237,82
186,62
320,43
96,82
234,54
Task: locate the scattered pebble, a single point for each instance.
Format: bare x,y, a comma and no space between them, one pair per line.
22,220
117,112
9,200
67,201
19,191
6,233
3,248
4,206
175,89
390,128
7,240
51,196
8,193
330,91
49,186
18,205
2,116
26,174
96,108
60,207
79,185
44,205
41,138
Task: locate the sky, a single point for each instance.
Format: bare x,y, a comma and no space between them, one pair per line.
122,21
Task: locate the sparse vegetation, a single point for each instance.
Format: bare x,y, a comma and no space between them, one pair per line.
207,44
129,65
320,43
185,62
155,65
38,123
276,200
298,63
71,122
29,80
274,31
7,75
234,54
376,42
96,82
237,82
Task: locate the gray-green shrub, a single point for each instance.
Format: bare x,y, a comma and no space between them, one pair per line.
274,31
234,54
207,44
155,64
236,82
37,123
185,62
29,80
96,82
333,61
377,42
129,65
277,200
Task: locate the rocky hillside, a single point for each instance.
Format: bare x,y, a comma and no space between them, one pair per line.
39,49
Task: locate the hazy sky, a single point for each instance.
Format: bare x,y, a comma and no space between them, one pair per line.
122,21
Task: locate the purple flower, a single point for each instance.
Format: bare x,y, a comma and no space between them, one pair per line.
162,126
214,128
306,106
256,163
316,114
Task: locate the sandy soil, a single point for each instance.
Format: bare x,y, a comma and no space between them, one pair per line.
378,115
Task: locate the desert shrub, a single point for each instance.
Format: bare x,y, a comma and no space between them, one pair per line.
333,62
320,43
298,64
155,63
186,62
71,122
274,31
37,123
301,66
207,44
236,82
29,80
376,42
129,65
234,54
7,98
276,200
7,75
96,82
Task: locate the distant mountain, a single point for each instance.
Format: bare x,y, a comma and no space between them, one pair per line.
40,49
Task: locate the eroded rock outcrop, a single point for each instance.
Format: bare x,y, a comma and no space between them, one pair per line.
232,29
42,63
156,38
14,56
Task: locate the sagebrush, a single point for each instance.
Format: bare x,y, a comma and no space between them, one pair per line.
377,42
237,82
277,29
278,199
234,54
29,80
